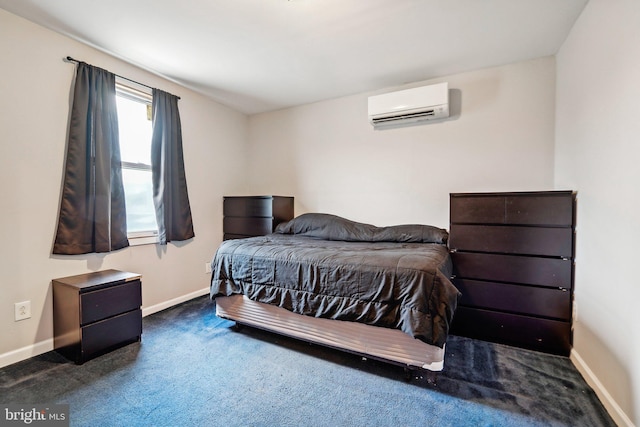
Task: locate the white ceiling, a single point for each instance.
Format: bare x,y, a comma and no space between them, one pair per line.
261,55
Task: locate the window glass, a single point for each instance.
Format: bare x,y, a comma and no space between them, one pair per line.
134,122
135,131
139,200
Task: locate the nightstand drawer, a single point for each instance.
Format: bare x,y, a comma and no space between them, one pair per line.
248,206
113,300
549,272
530,300
103,336
248,226
547,241
228,236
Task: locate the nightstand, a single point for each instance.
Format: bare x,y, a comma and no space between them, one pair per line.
249,216
95,313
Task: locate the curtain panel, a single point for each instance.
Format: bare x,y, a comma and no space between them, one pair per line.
92,214
171,201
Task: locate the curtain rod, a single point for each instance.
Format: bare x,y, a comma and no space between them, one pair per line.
70,59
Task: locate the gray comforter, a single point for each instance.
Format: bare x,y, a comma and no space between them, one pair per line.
326,266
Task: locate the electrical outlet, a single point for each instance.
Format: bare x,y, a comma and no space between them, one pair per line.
22,310
207,267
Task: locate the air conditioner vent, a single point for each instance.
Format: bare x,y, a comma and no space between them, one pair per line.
410,105
421,115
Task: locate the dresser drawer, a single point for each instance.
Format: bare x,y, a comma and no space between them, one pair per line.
110,301
477,209
248,226
102,336
549,209
528,300
529,332
548,241
540,210
248,206
549,272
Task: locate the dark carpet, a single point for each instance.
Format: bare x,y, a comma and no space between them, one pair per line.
194,369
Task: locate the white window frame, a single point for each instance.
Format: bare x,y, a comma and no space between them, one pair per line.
136,92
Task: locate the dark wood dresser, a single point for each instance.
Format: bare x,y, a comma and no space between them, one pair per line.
513,263
96,312
248,216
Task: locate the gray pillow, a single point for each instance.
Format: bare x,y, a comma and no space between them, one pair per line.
332,227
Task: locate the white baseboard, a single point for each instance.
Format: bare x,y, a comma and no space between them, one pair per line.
24,353
603,394
179,300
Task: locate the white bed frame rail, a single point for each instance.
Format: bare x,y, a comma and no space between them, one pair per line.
389,345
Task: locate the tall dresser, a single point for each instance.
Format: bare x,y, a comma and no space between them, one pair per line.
513,257
248,216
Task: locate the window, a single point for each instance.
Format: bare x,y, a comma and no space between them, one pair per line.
134,121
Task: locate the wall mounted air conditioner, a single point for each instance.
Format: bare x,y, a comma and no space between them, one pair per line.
409,105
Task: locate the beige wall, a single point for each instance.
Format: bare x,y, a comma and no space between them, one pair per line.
34,105
499,138
598,146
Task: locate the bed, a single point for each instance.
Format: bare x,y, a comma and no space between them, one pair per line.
380,292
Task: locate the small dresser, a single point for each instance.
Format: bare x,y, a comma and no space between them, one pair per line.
248,216
95,313
513,258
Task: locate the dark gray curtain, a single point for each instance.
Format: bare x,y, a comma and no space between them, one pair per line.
92,209
170,197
